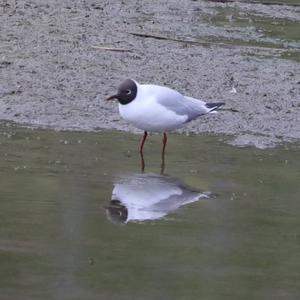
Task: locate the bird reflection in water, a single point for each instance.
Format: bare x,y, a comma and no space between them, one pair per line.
148,196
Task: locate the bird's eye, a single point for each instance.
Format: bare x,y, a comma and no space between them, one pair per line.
128,92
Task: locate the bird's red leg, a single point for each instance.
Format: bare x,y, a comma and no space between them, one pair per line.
141,150
143,141
165,139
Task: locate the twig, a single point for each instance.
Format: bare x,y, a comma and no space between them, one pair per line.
161,37
153,36
111,49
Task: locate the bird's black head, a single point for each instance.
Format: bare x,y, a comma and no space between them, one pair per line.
126,92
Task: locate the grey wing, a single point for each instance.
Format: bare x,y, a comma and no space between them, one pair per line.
183,105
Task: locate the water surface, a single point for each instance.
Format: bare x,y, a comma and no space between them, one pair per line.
57,241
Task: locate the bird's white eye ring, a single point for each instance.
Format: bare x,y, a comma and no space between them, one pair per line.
128,92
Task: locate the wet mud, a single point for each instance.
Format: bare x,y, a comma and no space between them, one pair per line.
56,69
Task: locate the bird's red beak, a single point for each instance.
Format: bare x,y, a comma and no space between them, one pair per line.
112,97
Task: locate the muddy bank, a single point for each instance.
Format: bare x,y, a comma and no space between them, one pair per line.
52,76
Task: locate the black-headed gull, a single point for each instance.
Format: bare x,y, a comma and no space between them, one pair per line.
158,109
141,197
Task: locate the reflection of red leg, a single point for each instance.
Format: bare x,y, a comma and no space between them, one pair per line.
165,139
143,141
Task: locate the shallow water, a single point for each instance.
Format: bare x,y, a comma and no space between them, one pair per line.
263,27
57,240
